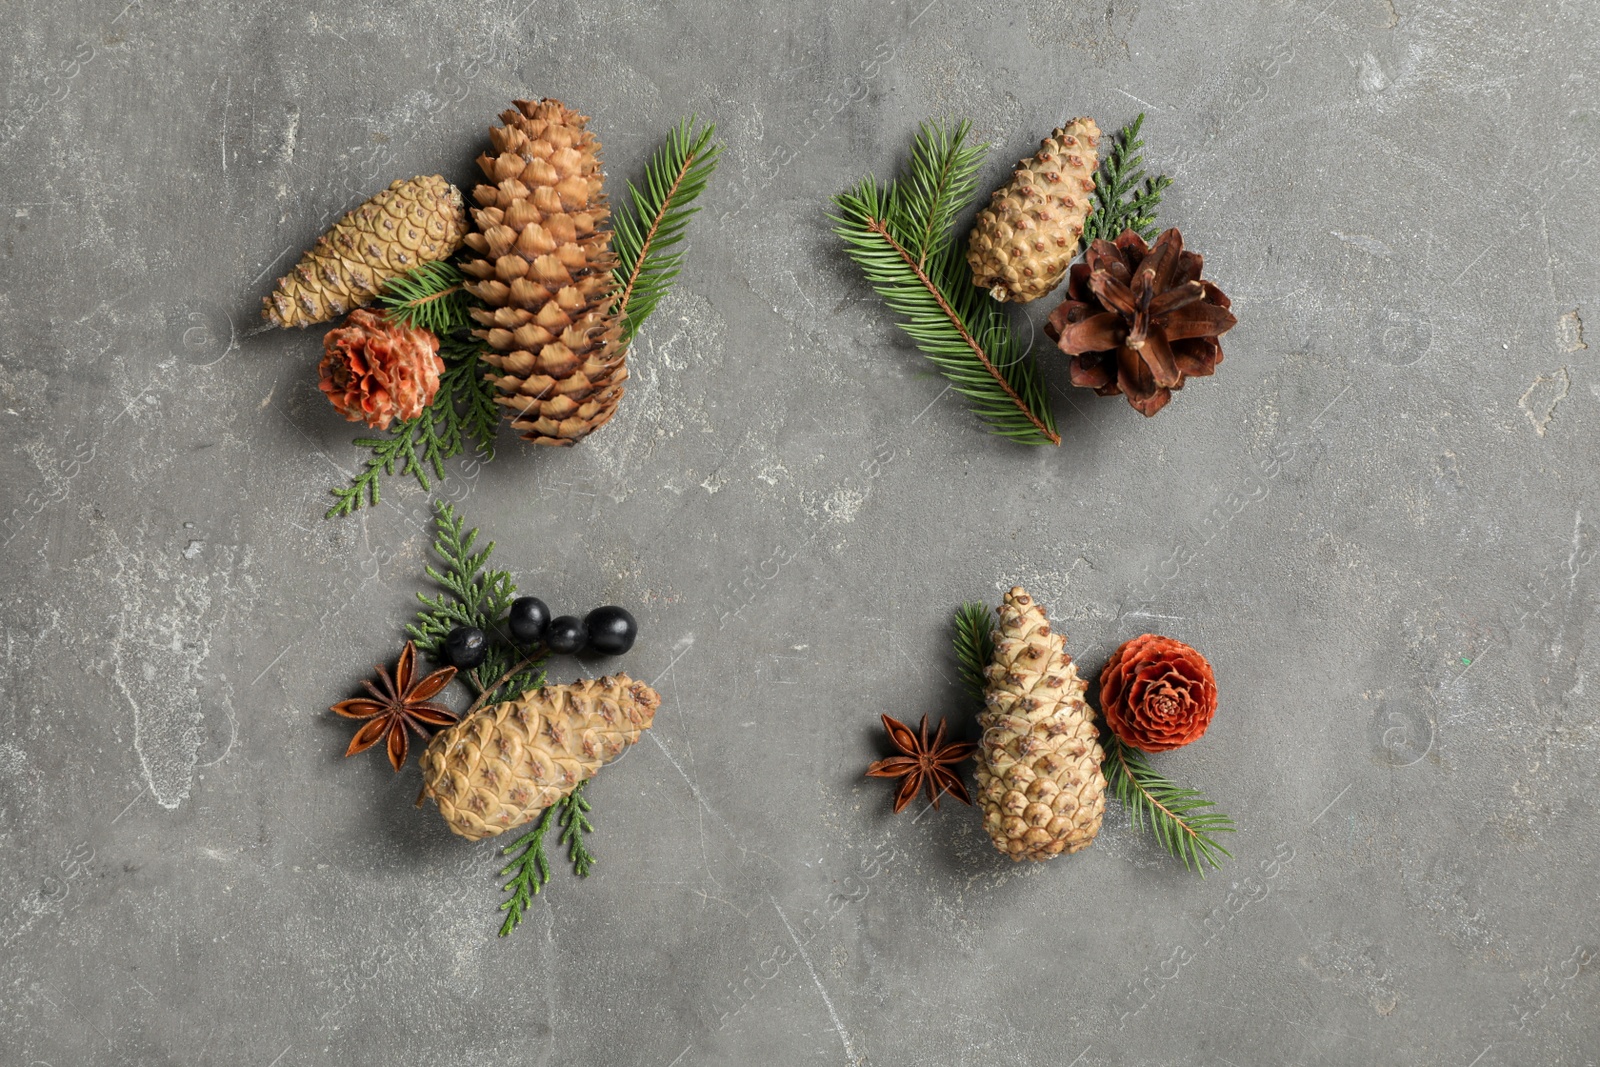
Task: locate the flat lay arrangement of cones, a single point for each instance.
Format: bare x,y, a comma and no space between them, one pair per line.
528,300
521,305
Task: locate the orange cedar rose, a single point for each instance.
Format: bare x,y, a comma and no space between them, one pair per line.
375,370
1157,693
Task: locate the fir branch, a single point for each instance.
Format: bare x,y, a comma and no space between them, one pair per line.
901,235
1178,817
974,646
530,870
654,219
429,297
1120,202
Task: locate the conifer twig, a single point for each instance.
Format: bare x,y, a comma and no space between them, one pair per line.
974,646
429,297
1177,816
901,234
655,218
1120,203
530,870
474,594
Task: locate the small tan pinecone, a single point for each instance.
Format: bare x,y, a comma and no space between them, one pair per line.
1040,786
545,275
501,766
412,222
1022,243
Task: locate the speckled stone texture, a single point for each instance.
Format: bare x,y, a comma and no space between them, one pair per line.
1378,521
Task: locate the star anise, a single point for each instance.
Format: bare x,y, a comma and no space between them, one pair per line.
399,704
930,763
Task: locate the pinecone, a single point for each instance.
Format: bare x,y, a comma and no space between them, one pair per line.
1021,244
546,275
503,765
1138,320
1039,781
408,224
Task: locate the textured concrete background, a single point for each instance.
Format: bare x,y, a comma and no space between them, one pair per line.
1378,520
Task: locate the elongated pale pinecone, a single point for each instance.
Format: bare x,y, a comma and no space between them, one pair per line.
412,222
1040,786
501,766
546,275
1022,243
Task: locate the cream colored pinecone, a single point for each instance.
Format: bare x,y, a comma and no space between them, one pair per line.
1023,242
501,766
1040,786
551,322
412,222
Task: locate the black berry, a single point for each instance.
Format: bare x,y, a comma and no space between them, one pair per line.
611,630
465,647
529,619
565,635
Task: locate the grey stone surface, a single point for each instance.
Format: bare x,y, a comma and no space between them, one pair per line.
1378,519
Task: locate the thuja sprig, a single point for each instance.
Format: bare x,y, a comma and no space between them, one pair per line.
901,235
530,869
1182,820
574,819
1124,198
474,594
429,297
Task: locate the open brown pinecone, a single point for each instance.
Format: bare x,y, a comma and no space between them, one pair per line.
1139,320
553,329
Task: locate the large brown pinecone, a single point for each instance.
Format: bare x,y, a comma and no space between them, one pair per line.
555,334
408,224
503,765
1021,243
1040,786
1139,320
